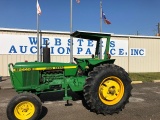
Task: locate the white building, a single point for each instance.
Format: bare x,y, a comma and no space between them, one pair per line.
133,53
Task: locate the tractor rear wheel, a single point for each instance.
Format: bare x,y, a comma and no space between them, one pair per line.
107,89
24,106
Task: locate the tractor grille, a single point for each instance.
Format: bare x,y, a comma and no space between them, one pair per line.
30,78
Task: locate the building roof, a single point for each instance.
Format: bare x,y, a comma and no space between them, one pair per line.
32,31
68,33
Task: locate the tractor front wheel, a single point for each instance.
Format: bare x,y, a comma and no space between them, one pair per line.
24,106
107,89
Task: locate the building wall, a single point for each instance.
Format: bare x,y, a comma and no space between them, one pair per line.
147,63
150,62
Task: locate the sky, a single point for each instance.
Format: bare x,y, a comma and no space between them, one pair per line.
127,17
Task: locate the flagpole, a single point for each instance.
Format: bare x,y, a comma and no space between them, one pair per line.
71,38
100,46
38,38
100,16
38,41
38,58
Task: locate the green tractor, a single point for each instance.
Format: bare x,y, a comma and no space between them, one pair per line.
106,87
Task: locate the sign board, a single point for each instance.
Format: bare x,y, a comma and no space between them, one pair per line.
137,51
119,48
27,44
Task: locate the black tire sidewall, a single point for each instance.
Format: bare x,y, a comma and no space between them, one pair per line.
20,98
122,75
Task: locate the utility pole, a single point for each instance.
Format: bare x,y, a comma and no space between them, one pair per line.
158,34
137,33
158,28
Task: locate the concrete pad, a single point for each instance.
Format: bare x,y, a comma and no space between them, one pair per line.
136,82
6,87
6,83
155,81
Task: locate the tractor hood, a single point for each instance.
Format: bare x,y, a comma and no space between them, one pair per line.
43,66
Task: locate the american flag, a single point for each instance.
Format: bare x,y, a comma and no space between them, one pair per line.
104,18
78,1
38,9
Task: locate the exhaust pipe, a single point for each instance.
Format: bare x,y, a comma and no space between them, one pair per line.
46,53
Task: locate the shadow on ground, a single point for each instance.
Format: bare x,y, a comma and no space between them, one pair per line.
44,112
58,96
4,78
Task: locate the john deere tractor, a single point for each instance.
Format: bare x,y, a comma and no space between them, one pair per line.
106,87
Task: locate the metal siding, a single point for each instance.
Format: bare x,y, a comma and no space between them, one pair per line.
6,59
148,63
121,60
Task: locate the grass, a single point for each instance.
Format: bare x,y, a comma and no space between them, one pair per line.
145,77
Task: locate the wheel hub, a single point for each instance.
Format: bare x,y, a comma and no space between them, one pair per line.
111,90
24,110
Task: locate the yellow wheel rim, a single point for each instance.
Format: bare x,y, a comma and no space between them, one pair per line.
24,110
111,90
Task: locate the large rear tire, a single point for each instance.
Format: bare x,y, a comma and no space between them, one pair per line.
24,106
107,89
